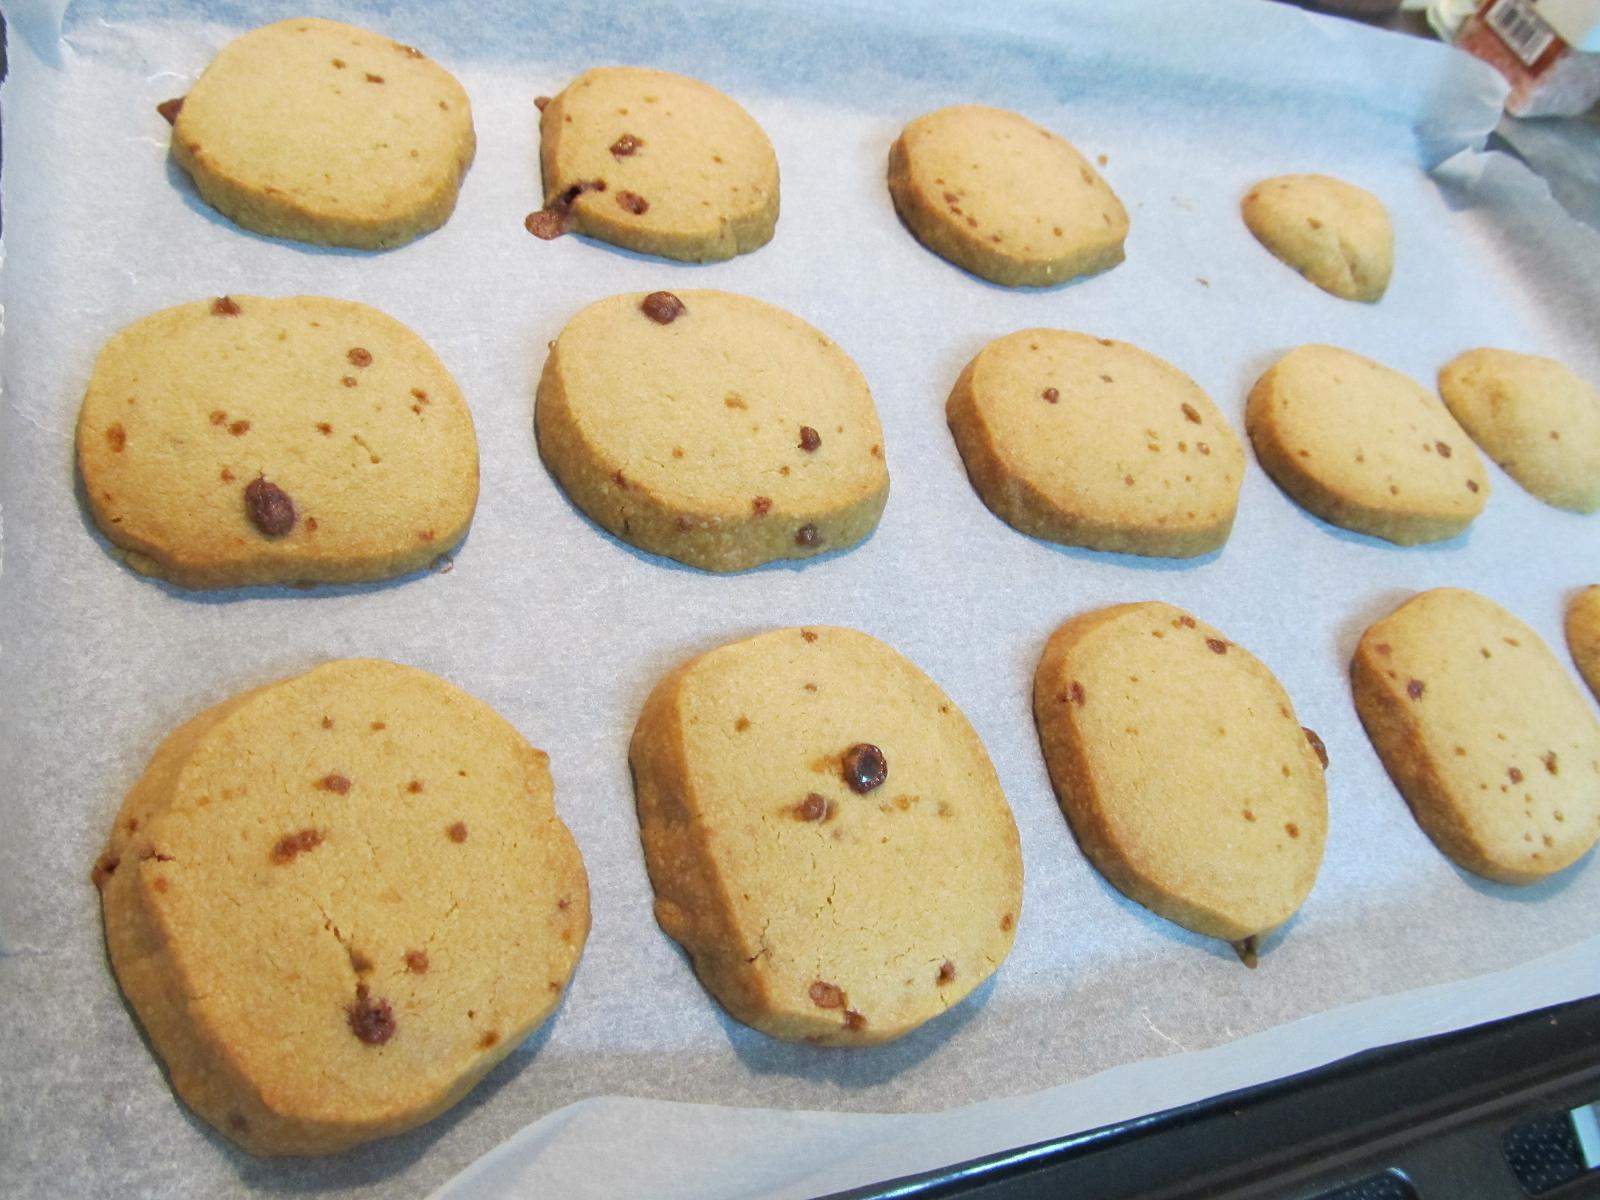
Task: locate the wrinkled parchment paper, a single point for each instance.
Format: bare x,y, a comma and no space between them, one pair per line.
564,630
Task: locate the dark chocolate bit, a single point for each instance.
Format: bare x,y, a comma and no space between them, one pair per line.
169,109
1246,950
371,78
1217,645
1515,775
1472,485
806,536
864,767
360,357
1549,761
417,962
625,146
947,972
810,439
553,219
269,507
854,1021
372,1021
826,995
457,833
1414,689
1050,395
541,102
292,844
1443,448
1190,413
633,202
223,306
334,783
813,808
1317,745
662,307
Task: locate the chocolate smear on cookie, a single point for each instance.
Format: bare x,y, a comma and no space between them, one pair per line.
555,218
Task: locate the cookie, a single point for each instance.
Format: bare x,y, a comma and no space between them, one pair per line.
336,901
655,162
246,440
825,836
1004,198
1487,738
1093,442
1364,447
1583,635
1335,234
1534,417
325,133
1182,769
711,428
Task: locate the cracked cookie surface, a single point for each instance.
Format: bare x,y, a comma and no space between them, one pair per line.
1004,198
658,163
711,428
245,440
1337,235
326,133
825,835
1364,447
1180,764
1092,442
1486,736
356,874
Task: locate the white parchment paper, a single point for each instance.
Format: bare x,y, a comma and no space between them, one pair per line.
564,630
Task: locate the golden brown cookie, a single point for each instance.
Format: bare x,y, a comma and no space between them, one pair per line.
1335,234
655,162
246,440
1093,442
336,901
711,428
326,133
1534,417
1487,738
1004,198
1364,447
1583,635
825,835
1182,769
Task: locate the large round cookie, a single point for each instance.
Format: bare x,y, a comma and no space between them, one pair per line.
1004,198
825,835
246,440
1364,447
711,428
1093,442
658,163
1487,738
322,132
338,900
1534,417
1182,769
1335,234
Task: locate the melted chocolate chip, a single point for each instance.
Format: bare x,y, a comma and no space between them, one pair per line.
360,357
1317,745
947,972
292,844
335,783
1414,689
269,507
552,220
854,1021
864,767
1050,395
1217,645
625,146
806,536
810,439
826,995
662,307
372,1021
223,306
169,109
813,808
633,202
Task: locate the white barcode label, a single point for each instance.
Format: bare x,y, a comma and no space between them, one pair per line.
1520,28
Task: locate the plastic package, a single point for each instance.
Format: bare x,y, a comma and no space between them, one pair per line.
1538,48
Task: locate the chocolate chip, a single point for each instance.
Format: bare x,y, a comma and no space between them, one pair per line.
826,995
417,962
1515,775
633,202
662,307
223,306
1218,646
169,109
947,972
810,439
360,357
854,1021
1317,745
117,436
1051,395
813,808
541,102
292,844
1472,485
371,78
1190,413
457,833
547,224
1414,689
1443,448
864,767
1549,761
269,507
761,506
806,536
372,1021
625,146
335,783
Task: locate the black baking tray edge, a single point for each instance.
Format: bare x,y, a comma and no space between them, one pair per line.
1425,1119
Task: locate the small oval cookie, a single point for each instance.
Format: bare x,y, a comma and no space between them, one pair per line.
1583,635
356,874
1364,447
322,132
1335,234
1182,769
658,163
1093,442
1487,738
825,835
711,428
1004,198
247,440
1534,417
